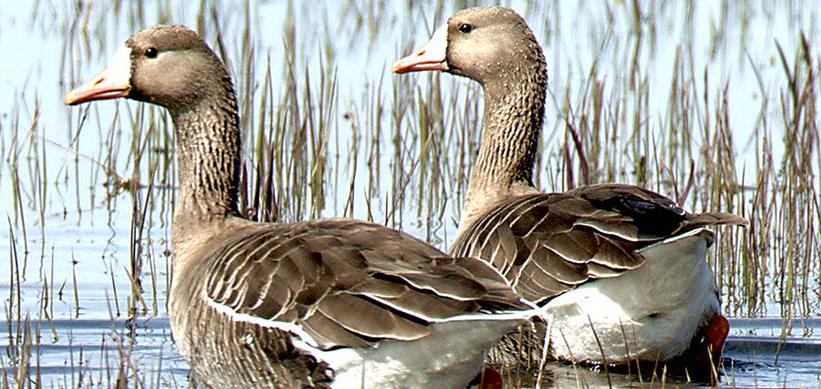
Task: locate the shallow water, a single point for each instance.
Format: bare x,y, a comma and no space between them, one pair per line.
87,353
69,237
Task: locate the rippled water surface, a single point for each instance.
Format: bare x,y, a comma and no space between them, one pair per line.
711,104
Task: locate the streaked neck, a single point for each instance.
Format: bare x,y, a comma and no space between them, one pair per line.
208,158
513,117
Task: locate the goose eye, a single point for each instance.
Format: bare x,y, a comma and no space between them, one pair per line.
151,52
465,28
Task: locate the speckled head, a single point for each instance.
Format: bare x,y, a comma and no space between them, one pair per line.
168,65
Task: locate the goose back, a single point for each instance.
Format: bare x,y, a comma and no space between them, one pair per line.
549,243
271,299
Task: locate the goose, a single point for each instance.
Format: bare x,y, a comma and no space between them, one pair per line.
323,303
620,270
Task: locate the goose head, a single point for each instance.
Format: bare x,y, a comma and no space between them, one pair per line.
167,65
484,44
171,66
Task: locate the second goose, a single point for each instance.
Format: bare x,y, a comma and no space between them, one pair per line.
621,270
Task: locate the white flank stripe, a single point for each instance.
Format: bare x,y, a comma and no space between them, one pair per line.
675,238
607,232
267,323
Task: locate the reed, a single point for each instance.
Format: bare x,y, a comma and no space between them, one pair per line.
638,93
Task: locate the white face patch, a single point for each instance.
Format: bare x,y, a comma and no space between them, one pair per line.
438,44
118,70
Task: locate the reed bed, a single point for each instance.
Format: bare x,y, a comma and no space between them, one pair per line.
328,131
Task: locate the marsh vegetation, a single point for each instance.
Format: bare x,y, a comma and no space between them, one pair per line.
711,103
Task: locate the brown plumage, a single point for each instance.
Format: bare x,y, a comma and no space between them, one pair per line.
549,243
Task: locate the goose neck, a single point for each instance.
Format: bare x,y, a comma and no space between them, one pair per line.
513,117
208,158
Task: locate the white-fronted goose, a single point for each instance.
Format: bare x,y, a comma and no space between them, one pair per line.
623,259
333,302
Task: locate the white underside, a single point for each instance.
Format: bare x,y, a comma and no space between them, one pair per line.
675,283
449,357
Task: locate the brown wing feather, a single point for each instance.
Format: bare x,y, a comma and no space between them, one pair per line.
349,283
549,243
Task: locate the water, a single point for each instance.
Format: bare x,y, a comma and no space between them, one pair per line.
96,317
87,352
90,353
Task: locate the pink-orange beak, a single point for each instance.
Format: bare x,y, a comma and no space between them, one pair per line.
431,56
113,82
